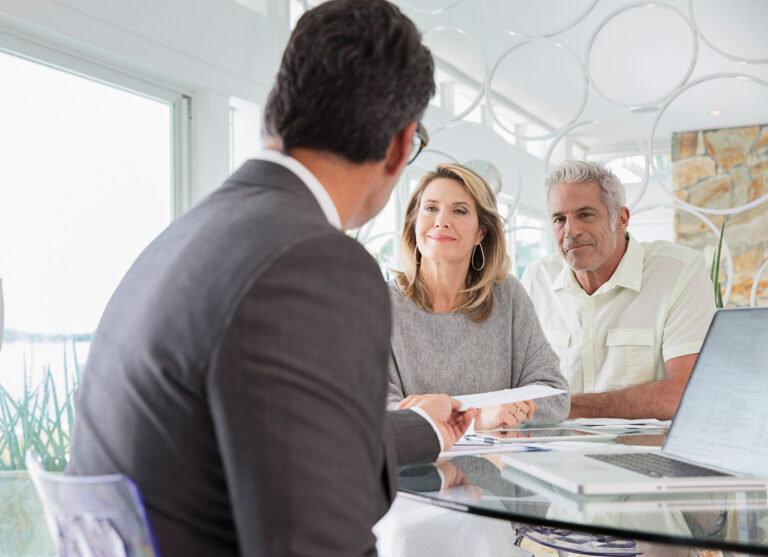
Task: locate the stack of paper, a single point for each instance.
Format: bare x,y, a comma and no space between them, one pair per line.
621,426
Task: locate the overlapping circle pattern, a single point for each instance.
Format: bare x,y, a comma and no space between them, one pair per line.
651,12
560,17
729,15
524,49
554,31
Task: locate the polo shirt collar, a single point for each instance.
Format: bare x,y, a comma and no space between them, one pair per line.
565,280
628,274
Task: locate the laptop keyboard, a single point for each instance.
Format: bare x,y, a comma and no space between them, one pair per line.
656,465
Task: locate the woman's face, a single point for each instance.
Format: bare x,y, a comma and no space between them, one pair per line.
447,226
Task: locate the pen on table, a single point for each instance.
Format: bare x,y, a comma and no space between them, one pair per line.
481,439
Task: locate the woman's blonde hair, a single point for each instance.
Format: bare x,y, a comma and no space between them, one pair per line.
479,283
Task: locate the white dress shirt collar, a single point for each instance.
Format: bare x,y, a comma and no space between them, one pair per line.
312,183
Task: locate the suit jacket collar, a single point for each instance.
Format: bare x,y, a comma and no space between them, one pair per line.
271,176
308,179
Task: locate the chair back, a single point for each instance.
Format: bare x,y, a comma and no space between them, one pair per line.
93,516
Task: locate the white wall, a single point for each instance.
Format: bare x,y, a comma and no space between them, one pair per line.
208,50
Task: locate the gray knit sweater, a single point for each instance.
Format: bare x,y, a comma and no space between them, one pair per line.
450,353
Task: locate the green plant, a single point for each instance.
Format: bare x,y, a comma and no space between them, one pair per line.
715,269
40,419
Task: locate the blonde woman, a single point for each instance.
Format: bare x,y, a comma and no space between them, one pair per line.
461,323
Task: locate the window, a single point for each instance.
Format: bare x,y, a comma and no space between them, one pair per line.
537,147
644,224
463,97
444,82
244,131
92,172
531,239
505,122
628,169
381,236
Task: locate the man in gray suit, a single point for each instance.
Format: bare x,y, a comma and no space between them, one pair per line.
238,373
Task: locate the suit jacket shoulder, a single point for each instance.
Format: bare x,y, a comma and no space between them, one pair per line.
237,375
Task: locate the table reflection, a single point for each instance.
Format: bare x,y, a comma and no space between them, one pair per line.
482,485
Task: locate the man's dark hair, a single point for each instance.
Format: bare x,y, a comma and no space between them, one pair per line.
354,74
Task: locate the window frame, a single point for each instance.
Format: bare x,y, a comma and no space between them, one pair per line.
180,103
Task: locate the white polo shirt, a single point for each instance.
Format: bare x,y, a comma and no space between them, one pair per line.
656,306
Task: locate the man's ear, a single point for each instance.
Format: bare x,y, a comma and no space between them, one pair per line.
622,219
399,150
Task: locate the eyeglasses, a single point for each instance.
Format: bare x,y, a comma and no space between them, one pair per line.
420,140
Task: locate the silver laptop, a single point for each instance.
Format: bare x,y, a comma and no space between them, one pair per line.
718,439
566,504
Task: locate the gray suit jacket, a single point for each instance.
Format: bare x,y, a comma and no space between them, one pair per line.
238,375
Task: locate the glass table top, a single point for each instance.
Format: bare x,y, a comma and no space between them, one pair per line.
483,485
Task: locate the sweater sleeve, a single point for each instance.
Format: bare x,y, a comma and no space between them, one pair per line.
534,361
395,389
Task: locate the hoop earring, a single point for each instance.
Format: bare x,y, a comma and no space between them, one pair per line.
482,254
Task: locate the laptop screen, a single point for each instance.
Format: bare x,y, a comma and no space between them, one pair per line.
722,419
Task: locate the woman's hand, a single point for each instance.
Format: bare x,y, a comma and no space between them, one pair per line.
507,415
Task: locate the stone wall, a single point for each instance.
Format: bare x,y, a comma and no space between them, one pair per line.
721,169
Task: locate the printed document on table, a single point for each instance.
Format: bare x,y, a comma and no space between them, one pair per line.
618,423
464,447
529,392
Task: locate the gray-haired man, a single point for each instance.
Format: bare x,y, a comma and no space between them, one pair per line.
627,319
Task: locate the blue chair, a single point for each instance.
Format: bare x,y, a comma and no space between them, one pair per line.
98,516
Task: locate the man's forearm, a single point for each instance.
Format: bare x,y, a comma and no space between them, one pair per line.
657,399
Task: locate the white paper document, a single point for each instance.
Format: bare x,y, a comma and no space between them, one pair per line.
464,448
618,423
529,392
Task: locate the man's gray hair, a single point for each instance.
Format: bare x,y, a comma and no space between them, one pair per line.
574,172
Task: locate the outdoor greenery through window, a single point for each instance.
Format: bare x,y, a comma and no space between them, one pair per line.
85,183
531,240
